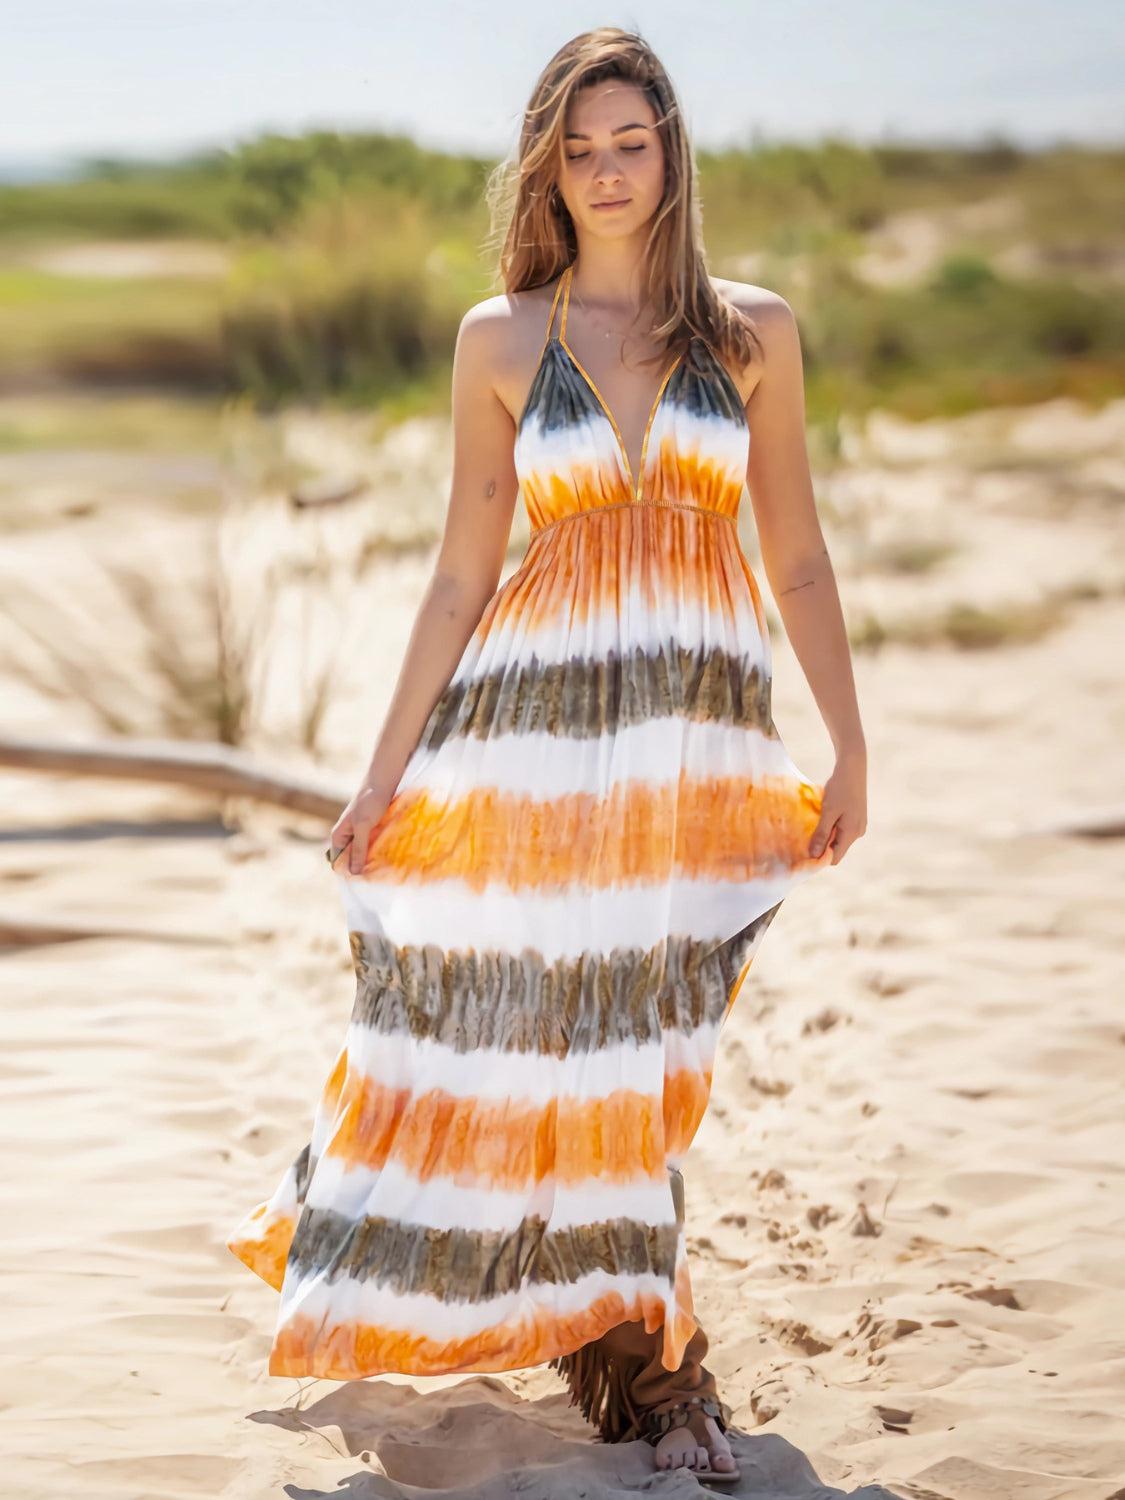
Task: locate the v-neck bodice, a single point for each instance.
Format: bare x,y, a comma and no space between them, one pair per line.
635,485
571,457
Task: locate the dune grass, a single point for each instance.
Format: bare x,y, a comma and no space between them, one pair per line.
352,258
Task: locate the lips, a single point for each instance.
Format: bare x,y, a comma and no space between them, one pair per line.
612,203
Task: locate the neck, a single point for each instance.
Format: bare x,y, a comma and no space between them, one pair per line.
607,278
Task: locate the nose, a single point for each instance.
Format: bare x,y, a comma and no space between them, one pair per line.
607,169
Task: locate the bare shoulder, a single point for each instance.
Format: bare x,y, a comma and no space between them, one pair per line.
768,309
500,337
508,317
485,328
774,320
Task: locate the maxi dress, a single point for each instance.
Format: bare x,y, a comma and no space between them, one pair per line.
555,915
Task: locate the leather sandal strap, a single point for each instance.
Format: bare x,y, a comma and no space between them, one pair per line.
657,1423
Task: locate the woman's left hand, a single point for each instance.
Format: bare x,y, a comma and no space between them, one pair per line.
843,810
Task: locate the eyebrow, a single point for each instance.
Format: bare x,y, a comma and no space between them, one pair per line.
573,135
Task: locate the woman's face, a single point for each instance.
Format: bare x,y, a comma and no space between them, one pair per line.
611,154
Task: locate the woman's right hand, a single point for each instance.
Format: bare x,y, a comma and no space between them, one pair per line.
353,826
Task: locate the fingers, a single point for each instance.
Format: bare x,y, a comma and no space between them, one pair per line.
823,833
339,838
359,848
843,837
334,850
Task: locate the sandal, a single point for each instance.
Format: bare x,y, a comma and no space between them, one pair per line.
688,1414
600,1384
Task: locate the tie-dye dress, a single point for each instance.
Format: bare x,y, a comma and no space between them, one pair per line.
557,910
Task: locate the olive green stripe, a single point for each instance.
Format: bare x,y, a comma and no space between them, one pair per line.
586,697
516,1002
468,1265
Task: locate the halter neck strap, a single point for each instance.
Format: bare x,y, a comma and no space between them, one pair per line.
551,318
565,278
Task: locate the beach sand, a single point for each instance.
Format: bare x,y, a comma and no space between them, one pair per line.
905,1205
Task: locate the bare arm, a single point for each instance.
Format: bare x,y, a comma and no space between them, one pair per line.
794,553
465,573
795,557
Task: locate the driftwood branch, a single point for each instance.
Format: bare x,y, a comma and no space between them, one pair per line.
24,932
318,493
1107,824
208,767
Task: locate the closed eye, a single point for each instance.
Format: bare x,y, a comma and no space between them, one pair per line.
584,154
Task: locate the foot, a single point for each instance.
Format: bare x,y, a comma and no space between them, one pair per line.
699,1445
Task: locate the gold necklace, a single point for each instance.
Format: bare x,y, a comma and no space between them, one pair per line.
606,332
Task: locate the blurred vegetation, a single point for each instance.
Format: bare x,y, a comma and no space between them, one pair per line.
350,259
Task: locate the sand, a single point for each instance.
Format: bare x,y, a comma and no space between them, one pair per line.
906,1208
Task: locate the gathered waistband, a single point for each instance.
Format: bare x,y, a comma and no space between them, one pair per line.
597,510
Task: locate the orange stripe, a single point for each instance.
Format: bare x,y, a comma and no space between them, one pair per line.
348,1351
661,552
499,1143
550,493
686,475
266,1251
705,828
330,1095
686,1094
698,510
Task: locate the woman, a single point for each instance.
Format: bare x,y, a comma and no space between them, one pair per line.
578,820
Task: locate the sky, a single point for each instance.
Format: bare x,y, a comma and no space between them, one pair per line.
160,77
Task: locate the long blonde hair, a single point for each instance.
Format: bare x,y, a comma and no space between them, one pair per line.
533,228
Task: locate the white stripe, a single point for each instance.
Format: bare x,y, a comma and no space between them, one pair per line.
645,617
454,916
595,1202
693,1050
441,1203
324,1123
542,452
421,1064
397,1061
718,440
545,766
